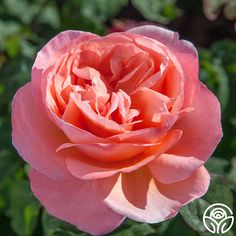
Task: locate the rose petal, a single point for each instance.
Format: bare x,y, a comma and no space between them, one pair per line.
145,135
143,100
109,152
189,189
184,51
136,195
96,124
35,137
201,127
84,168
139,197
70,123
49,53
169,168
77,202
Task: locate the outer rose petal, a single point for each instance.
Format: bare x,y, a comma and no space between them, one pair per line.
77,202
201,128
31,136
138,196
200,134
189,189
184,51
171,168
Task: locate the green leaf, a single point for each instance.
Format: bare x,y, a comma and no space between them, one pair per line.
8,163
217,165
225,50
229,233
24,209
56,227
137,229
219,192
176,226
20,9
223,83
13,46
157,10
50,16
27,49
193,213
214,75
232,173
9,27
101,10
90,15
162,228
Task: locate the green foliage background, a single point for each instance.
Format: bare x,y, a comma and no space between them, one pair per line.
26,25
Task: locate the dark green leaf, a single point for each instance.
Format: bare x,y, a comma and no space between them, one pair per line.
101,9
217,165
176,226
9,163
56,227
137,229
232,173
50,16
24,209
193,213
219,192
157,10
214,75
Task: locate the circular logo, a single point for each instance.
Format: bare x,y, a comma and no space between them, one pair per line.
218,218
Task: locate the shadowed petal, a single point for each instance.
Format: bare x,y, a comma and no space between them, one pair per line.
140,197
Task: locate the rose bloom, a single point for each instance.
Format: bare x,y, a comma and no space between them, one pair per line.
116,126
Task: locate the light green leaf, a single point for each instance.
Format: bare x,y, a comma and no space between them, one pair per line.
7,28
13,46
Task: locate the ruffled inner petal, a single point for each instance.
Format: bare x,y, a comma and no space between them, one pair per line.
128,92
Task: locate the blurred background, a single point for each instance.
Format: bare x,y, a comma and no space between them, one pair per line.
26,25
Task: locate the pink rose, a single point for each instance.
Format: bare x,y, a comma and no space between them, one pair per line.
116,126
